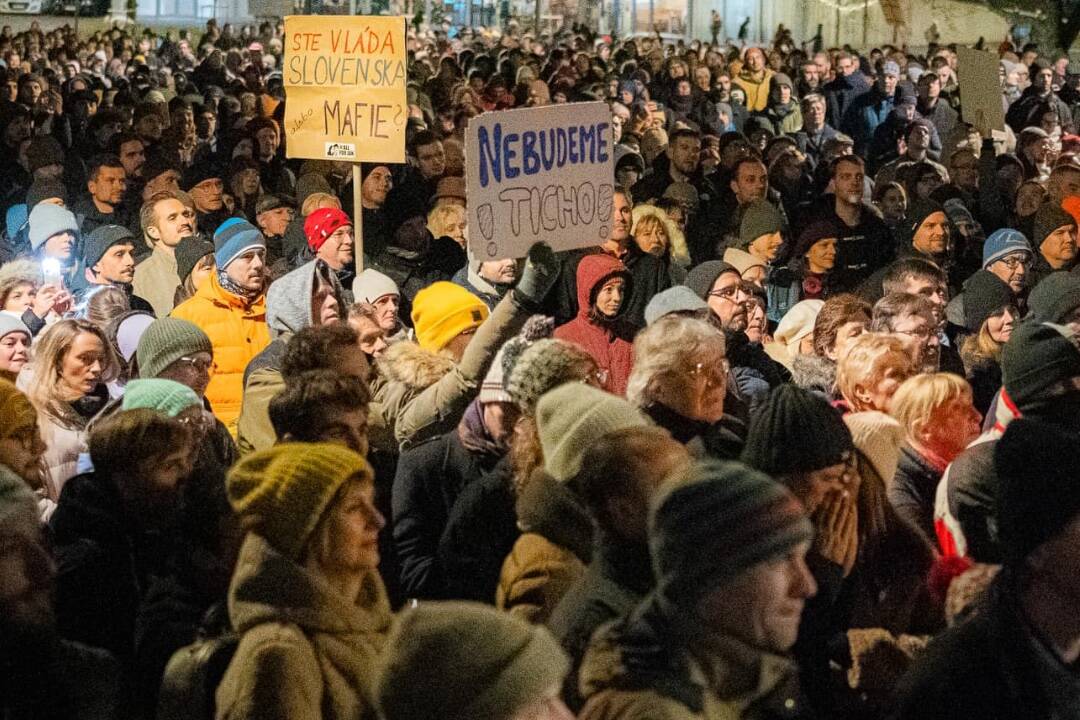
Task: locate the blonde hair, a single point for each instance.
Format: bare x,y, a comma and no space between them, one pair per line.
47,364
919,397
647,214
866,361
439,220
980,348
669,347
315,200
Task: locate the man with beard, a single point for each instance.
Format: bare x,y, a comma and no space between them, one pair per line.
108,259
43,675
914,318
108,526
165,219
103,206
752,372
207,191
680,163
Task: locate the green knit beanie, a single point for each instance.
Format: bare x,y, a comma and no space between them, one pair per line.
465,661
759,218
572,417
545,365
167,340
166,396
286,489
715,520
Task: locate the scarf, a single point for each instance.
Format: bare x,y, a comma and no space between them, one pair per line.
474,434
230,286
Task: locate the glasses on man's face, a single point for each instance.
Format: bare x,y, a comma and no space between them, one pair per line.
920,333
731,292
200,364
1014,261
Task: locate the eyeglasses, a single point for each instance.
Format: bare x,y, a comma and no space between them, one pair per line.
1014,261
198,363
728,293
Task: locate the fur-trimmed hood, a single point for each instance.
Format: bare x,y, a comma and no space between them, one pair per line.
677,249
413,366
813,372
19,272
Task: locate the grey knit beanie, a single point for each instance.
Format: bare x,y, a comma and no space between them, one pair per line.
465,661
545,365
677,299
702,278
166,341
47,220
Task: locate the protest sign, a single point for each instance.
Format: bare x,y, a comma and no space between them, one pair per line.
345,88
535,174
980,89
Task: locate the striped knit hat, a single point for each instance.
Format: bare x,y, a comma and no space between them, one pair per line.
233,238
715,520
286,489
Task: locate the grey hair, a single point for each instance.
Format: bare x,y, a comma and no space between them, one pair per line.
672,342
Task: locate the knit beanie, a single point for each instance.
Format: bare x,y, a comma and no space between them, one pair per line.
233,238
573,416
322,223
985,294
917,213
189,251
715,520
165,396
16,412
43,151
795,431
18,506
1037,463
759,218
10,322
442,311
287,488
310,183
815,232
198,173
1038,358
1048,218
796,324
1055,298
47,220
370,285
45,189
167,340
545,365
97,243
741,260
1002,243
465,661
676,299
879,438
702,277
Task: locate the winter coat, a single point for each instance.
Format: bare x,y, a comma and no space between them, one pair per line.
238,332
614,583
64,428
426,394
156,280
304,651
551,553
609,342
637,669
430,477
723,440
103,561
481,530
649,275
911,492
490,293
756,88
992,666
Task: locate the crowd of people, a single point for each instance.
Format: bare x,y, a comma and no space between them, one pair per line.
799,439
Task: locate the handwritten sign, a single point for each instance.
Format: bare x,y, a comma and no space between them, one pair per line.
539,174
345,88
980,89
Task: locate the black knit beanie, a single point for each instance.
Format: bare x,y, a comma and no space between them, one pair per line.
1048,218
796,430
918,212
1036,361
1037,464
189,251
984,295
702,278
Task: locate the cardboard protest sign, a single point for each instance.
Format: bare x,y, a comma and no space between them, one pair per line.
535,174
345,88
980,89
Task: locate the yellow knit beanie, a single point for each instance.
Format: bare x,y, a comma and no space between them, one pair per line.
287,489
442,311
16,412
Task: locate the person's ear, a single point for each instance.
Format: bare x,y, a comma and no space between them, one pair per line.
862,395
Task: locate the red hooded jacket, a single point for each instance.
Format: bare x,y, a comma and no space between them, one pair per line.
609,343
